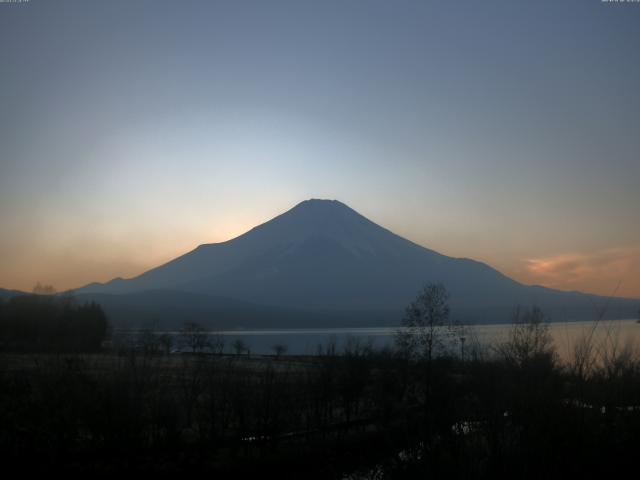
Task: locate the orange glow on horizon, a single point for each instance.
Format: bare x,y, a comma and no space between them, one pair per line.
598,272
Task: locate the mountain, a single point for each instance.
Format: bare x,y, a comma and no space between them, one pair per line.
322,256
4,293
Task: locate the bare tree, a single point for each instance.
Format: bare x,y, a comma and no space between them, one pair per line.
216,343
279,349
426,323
529,338
426,332
239,346
148,341
194,337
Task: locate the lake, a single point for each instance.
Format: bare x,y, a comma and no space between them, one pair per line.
306,341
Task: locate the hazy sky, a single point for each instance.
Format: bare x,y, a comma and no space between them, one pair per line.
506,131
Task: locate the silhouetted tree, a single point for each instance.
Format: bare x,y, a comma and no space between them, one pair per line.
239,346
422,334
149,341
40,289
279,349
194,337
216,343
426,328
49,323
529,338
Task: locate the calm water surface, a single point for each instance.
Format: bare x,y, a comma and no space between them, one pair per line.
306,341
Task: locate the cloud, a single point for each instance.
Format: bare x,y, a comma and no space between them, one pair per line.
598,272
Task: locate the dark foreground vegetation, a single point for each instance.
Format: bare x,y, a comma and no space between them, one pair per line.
508,411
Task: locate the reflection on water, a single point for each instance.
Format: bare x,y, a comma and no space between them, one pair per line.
566,335
306,341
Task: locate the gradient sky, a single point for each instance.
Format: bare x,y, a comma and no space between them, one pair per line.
506,131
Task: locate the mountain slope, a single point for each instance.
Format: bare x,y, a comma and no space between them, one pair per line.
4,293
321,254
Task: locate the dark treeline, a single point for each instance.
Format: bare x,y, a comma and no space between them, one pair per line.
48,323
